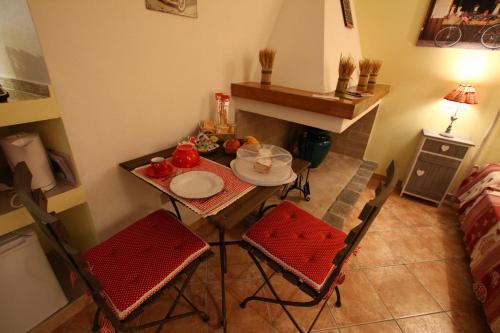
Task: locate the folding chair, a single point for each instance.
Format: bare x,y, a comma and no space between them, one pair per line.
307,251
130,269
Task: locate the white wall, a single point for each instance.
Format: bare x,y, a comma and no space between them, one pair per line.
309,37
20,55
298,39
339,40
131,81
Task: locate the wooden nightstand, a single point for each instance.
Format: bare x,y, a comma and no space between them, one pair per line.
435,165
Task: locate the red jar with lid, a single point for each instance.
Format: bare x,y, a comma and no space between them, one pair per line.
185,156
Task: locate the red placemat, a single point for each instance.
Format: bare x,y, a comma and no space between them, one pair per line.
234,188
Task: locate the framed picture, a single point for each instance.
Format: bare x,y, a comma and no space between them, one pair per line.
346,10
187,8
462,24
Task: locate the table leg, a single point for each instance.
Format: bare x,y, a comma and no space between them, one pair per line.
165,197
301,184
177,212
223,271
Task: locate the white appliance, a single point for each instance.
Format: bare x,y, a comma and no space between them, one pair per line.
28,147
29,290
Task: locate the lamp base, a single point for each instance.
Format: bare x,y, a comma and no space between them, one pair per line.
447,135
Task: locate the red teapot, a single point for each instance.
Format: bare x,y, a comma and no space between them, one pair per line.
185,156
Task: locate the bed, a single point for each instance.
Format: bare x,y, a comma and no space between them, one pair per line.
479,205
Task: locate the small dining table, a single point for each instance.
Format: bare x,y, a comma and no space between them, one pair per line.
230,216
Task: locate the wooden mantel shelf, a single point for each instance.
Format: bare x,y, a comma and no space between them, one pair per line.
304,100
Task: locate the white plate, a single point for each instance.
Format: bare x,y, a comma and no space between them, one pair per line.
196,184
255,178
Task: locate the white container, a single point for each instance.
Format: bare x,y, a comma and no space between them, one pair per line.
28,147
29,290
275,165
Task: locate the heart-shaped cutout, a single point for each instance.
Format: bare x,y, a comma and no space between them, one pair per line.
420,173
445,147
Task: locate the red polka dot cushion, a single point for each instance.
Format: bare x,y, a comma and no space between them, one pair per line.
140,260
301,243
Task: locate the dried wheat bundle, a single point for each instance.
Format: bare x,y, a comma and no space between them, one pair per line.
365,67
266,58
375,66
346,67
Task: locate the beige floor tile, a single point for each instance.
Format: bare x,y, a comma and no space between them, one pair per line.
240,265
157,310
361,304
244,271
304,316
438,322
401,292
81,322
416,214
449,282
390,218
383,327
352,263
375,252
407,246
471,321
200,276
445,242
444,215
60,329
253,318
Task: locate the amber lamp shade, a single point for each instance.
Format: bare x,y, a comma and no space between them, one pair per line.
463,94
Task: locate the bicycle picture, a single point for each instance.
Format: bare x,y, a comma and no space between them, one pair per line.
178,7
462,24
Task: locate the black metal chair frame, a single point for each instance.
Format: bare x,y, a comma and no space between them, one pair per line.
367,216
36,203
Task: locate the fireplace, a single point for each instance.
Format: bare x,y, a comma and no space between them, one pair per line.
277,115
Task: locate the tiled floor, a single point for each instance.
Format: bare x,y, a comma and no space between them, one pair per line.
411,275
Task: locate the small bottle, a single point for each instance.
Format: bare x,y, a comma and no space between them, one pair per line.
225,109
218,107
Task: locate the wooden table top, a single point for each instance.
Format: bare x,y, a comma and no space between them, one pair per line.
236,212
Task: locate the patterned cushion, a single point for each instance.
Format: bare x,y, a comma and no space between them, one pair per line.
299,242
141,259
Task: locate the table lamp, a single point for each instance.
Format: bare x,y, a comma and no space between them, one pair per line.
463,94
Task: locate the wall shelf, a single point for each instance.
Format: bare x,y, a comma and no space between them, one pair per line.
26,108
33,107
64,196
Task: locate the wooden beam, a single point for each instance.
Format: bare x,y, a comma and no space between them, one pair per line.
306,100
